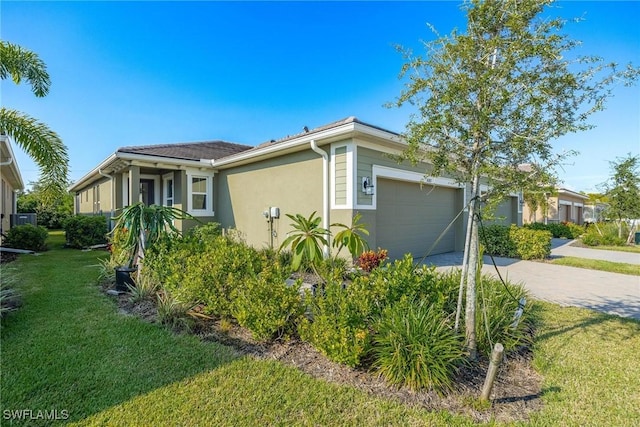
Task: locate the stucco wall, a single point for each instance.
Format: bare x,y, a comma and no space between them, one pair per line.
292,183
6,202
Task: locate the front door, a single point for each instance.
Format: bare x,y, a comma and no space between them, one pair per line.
147,195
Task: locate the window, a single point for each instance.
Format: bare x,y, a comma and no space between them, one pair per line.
200,195
168,189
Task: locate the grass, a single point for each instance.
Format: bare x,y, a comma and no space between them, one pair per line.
633,249
590,364
595,264
69,349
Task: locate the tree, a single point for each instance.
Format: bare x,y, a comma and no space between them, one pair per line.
623,190
34,137
51,213
493,98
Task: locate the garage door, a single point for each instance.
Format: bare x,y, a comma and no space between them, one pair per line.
410,218
504,212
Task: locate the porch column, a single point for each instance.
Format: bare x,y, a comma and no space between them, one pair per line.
134,184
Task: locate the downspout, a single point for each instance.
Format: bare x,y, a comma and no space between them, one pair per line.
325,192
113,189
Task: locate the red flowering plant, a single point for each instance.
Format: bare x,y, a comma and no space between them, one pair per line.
371,260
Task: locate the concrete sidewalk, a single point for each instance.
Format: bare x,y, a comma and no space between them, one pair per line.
562,247
598,290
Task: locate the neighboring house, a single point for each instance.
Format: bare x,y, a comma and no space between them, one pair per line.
336,170
11,182
562,206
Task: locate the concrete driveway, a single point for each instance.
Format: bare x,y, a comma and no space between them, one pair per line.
570,286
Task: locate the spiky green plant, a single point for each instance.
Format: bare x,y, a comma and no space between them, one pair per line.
145,225
173,313
416,346
145,289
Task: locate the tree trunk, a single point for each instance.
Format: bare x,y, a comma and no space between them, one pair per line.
465,269
472,268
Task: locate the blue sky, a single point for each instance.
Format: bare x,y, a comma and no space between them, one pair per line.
136,73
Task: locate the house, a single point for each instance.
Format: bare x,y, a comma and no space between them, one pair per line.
11,182
336,170
563,205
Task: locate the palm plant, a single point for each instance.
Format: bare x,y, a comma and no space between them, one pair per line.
42,144
306,240
351,237
146,225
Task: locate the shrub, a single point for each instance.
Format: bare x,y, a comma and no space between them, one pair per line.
52,219
602,234
28,236
416,346
82,231
339,327
497,241
267,306
530,244
370,260
496,306
342,317
516,242
567,230
205,232
204,271
575,230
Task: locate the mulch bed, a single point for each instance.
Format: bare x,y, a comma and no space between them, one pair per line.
516,393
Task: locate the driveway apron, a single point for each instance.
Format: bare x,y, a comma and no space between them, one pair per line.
611,293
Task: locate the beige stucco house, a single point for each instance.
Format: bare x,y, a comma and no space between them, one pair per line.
336,170
562,206
10,181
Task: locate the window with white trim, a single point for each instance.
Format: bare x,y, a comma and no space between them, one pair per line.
168,189
200,195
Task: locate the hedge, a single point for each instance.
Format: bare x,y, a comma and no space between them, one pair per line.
82,231
516,242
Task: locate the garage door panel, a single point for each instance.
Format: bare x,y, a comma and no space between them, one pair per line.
410,218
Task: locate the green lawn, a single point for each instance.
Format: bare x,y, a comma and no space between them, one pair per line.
596,264
633,249
69,349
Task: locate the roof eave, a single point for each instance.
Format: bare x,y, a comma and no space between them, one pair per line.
152,161
322,137
17,183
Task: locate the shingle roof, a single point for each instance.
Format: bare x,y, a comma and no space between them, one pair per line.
344,121
189,150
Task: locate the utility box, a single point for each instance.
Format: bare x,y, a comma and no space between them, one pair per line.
23,218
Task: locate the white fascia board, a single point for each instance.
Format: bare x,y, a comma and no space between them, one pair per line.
95,171
152,161
303,140
14,164
572,193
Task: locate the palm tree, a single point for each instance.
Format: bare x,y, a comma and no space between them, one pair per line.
42,144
